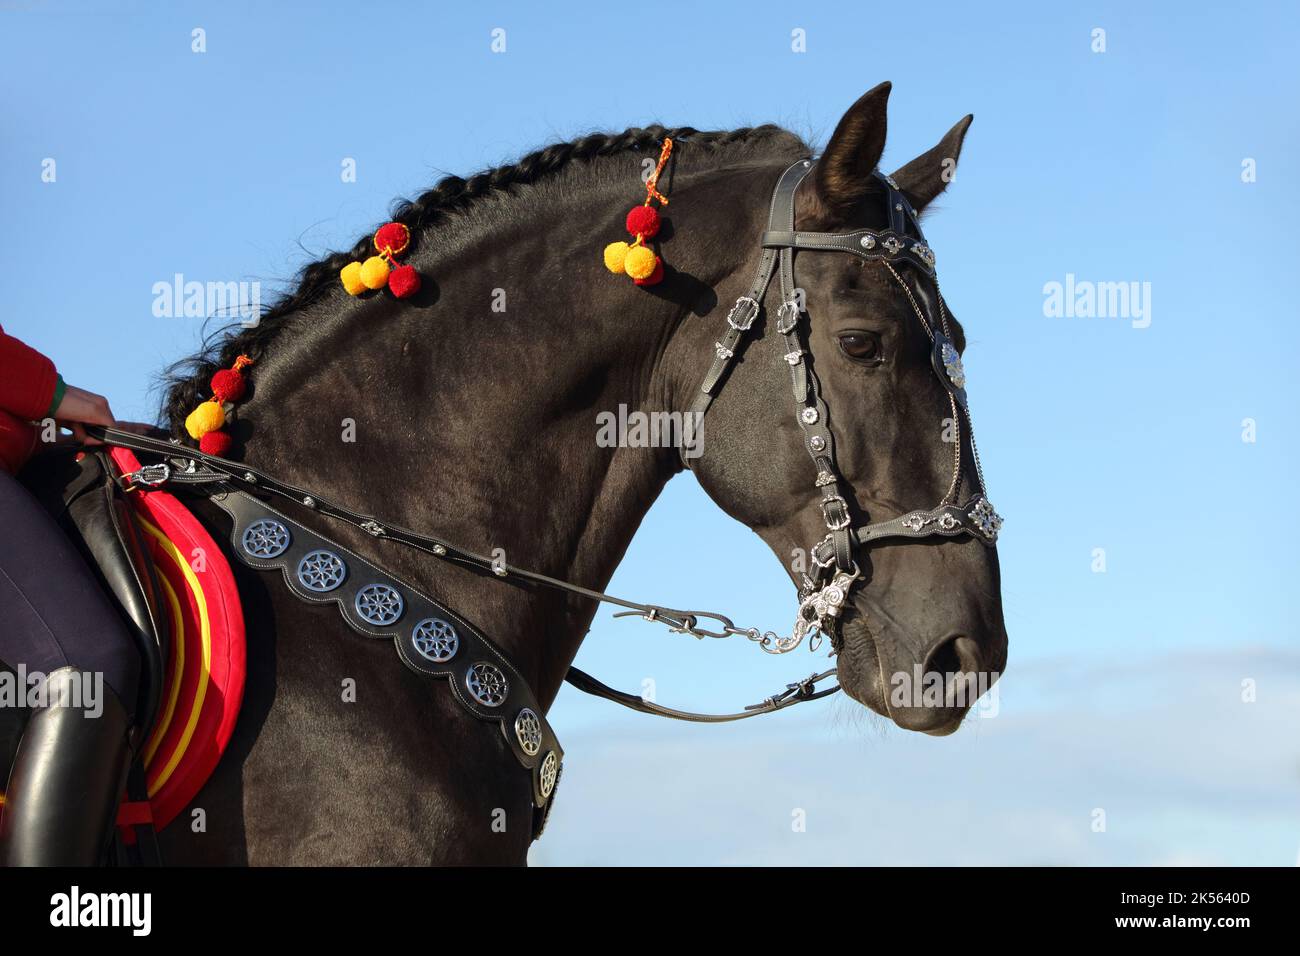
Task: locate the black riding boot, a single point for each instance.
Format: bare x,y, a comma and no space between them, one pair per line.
61,802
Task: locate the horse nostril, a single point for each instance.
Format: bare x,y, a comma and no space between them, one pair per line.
958,654
957,660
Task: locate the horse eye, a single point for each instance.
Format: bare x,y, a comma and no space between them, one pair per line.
862,347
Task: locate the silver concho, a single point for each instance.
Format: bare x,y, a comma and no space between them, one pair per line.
987,521
321,571
379,604
809,416
915,522
487,685
868,242
435,640
892,244
266,538
550,770
528,730
952,365
924,253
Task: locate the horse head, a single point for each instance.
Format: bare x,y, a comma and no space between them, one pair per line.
879,407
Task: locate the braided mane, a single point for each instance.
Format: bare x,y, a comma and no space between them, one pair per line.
185,383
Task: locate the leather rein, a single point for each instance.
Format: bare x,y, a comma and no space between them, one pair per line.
189,468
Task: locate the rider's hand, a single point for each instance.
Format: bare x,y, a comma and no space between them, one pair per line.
80,407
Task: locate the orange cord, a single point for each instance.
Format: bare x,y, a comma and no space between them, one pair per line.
650,191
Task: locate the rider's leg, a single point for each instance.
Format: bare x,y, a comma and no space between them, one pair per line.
68,774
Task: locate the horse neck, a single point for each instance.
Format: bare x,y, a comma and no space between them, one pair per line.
471,412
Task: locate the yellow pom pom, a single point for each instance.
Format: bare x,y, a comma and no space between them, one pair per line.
374,272
615,252
639,262
351,276
208,417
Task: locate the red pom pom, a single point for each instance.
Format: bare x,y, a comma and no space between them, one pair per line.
643,221
404,281
655,277
216,444
227,386
394,237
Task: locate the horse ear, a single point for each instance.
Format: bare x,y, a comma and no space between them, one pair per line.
929,174
843,174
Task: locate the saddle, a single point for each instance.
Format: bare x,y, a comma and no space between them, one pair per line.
174,591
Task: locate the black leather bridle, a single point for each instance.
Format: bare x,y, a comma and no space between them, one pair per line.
833,556
483,678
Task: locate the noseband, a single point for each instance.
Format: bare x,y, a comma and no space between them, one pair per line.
434,641
824,592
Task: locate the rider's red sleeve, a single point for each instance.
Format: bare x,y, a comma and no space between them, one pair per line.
17,442
27,379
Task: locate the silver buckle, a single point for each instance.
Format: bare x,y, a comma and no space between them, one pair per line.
782,325
841,524
750,306
152,475
836,525
830,561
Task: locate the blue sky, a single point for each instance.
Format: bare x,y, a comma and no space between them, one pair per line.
1123,690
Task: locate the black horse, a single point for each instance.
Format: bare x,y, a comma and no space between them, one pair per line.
470,410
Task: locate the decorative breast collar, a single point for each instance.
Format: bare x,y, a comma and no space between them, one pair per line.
431,639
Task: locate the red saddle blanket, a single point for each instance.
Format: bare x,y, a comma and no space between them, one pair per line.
203,679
